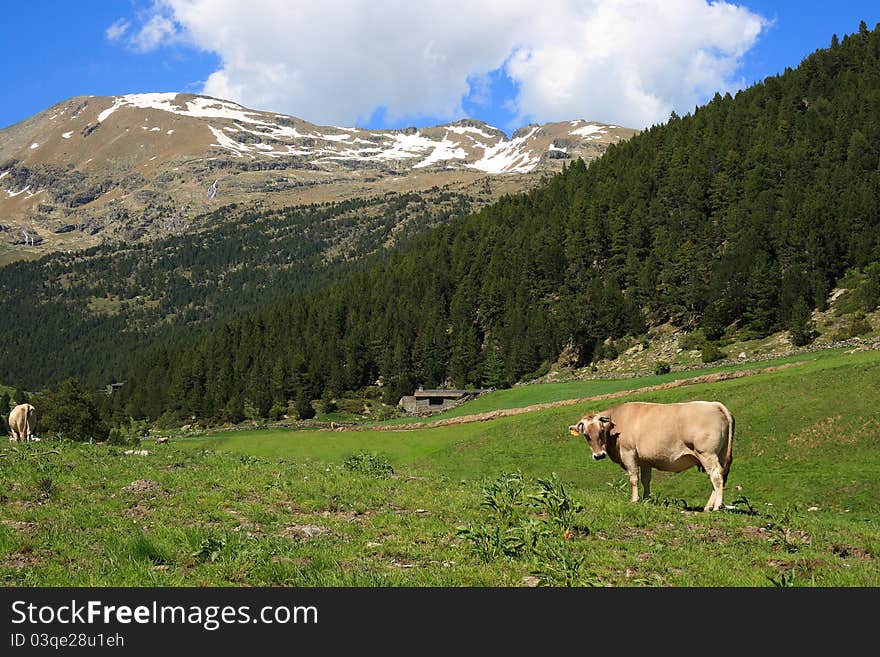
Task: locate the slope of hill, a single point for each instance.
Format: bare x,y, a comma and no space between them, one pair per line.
738,219
414,508
93,169
102,303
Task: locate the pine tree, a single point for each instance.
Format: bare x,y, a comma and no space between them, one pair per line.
494,374
801,324
303,405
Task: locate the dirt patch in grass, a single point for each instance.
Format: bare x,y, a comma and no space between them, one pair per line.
417,512
302,562
846,551
20,525
349,516
805,566
143,486
644,532
137,512
791,538
24,559
304,532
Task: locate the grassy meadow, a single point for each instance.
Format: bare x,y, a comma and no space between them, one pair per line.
508,502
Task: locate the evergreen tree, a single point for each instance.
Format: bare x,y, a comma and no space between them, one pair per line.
303,405
801,324
494,373
71,413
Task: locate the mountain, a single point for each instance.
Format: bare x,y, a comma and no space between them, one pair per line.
126,168
104,303
736,221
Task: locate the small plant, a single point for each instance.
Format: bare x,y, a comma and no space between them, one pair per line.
741,501
662,367
373,465
785,579
553,499
504,495
512,531
209,549
555,565
491,541
46,487
782,534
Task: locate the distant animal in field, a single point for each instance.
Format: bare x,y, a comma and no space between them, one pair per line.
22,423
670,437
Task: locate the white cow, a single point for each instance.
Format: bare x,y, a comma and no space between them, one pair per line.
671,437
22,423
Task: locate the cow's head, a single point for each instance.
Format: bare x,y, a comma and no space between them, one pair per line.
596,430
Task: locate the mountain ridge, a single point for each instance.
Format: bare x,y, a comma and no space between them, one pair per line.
96,168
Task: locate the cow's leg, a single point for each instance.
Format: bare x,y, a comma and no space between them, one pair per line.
645,471
629,464
713,468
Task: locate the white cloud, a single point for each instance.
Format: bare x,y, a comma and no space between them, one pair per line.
116,31
629,62
157,31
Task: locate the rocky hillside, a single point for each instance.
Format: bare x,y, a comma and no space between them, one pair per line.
93,169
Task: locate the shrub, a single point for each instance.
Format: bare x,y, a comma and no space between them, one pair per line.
373,465
383,412
129,433
692,340
353,405
858,325
277,411
328,404
543,370
710,353
662,367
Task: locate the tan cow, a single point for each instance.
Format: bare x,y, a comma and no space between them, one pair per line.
670,437
22,423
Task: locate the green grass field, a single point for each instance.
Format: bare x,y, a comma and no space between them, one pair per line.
475,504
526,395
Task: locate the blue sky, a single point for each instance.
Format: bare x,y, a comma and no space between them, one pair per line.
366,70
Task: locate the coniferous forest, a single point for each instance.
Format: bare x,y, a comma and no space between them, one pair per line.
740,215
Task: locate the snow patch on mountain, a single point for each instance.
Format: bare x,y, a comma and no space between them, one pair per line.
588,130
507,157
464,129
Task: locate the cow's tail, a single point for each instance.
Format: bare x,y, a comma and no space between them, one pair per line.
728,460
